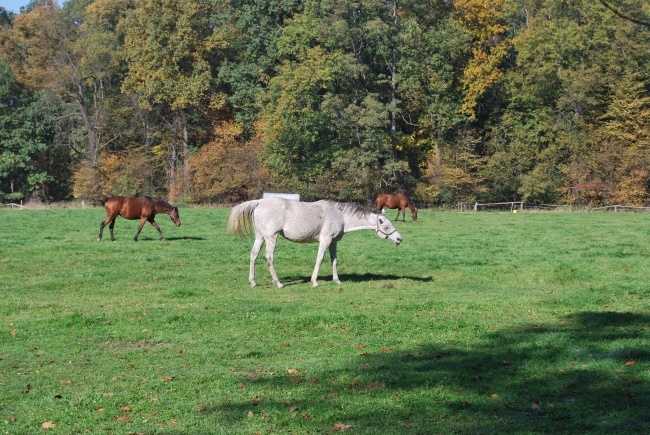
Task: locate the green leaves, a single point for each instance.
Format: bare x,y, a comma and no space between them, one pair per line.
22,138
167,47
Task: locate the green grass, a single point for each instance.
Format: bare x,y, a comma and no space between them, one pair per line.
477,323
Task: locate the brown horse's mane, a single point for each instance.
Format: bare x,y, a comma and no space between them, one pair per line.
410,205
162,201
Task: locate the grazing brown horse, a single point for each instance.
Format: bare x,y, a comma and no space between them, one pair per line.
397,201
143,208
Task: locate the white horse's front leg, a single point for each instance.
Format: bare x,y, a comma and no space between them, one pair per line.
335,261
257,245
324,243
270,248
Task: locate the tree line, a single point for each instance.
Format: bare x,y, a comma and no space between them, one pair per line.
203,101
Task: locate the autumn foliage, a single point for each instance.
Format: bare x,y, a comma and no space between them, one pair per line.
471,100
228,168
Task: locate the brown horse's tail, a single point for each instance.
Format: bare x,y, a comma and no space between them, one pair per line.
240,218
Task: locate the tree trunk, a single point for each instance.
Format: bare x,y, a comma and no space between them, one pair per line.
393,76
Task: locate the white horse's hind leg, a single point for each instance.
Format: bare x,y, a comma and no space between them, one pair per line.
270,248
335,261
259,241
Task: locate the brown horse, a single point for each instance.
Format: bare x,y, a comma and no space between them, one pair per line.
397,201
143,208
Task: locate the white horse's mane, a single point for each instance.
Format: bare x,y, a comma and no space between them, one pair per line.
352,208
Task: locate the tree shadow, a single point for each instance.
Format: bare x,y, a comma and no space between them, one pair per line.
582,374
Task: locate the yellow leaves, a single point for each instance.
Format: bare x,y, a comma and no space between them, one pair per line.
481,73
485,19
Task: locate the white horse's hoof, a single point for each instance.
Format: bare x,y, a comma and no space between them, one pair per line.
315,284
253,283
279,285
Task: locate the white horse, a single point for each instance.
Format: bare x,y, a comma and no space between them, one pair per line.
324,222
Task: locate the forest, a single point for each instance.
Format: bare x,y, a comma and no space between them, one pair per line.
217,101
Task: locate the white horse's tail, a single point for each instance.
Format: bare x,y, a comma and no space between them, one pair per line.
240,218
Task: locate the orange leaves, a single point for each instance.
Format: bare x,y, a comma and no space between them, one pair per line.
220,168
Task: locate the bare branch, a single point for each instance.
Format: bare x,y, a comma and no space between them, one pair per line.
625,17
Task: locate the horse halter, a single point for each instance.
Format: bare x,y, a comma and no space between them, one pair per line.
379,230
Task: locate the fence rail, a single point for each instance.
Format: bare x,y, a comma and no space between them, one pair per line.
519,206
617,207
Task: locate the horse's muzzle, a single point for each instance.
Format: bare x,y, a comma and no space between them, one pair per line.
178,223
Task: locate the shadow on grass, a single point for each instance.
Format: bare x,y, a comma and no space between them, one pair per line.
184,238
352,277
587,373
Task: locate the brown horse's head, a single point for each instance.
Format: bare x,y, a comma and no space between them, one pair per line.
174,217
414,215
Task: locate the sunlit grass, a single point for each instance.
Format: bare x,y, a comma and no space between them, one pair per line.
477,323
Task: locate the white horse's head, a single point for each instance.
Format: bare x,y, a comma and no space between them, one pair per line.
386,230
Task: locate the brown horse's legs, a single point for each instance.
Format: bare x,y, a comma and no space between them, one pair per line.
155,225
142,222
110,227
101,229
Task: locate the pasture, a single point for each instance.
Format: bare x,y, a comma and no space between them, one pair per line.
477,323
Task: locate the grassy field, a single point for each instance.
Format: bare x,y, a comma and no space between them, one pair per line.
477,323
